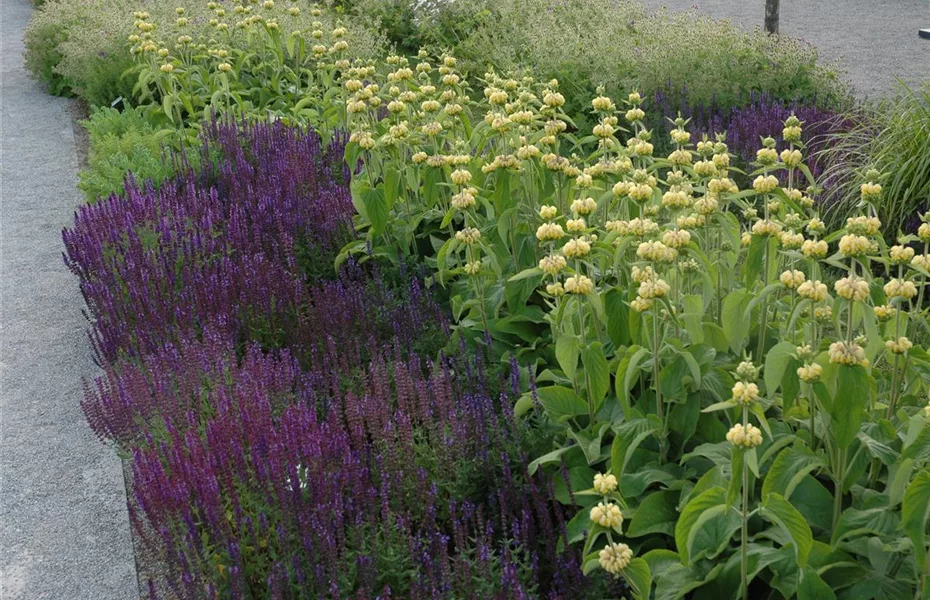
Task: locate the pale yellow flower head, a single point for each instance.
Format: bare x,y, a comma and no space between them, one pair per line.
576,248
552,265
847,353
745,393
899,346
854,289
813,290
810,373
900,288
614,557
744,437
901,254
854,245
605,483
548,212
792,279
579,284
607,514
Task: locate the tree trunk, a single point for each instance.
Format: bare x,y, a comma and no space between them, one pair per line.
771,16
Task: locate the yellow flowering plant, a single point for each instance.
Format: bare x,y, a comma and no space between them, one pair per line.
676,326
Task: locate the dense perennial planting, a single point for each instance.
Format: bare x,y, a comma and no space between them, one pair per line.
343,466
622,366
217,248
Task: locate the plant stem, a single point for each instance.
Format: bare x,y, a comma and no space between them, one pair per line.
660,409
744,536
838,477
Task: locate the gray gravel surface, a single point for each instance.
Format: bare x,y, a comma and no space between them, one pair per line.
64,529
876,42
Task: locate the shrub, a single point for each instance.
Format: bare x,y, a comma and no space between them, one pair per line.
892,137
625,47
127,143
81,47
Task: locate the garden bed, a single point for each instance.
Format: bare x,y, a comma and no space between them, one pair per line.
380,328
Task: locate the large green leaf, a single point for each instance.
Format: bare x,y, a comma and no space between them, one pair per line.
779,511
873,521
677,580
853,391
658,513
697,506
638,575
776,361
812,587
561,402
596,372
627,437
391,185
735,320
590,444
567,351
376,209
915,512
789,469
628,373
693,316
617,317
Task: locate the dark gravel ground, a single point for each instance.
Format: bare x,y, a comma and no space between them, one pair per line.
64,529
875,42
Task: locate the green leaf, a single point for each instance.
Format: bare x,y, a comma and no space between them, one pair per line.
548,458
627,374
789,469
735,320
618,314
874,521
752,268
639,577
738,456
776,361
914,514
391,185
693,316
523,405
561,402
677,580
627,437
898,480
376,209
812,587
596,372
691,514
525,273
590,445
567,351
853,392
780,512
658,513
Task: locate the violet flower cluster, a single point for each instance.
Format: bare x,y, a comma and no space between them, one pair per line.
409,486
210,250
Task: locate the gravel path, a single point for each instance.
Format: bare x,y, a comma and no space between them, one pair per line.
875,42
64,529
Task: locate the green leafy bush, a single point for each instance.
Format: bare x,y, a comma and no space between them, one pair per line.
80,46
623,46
123,143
